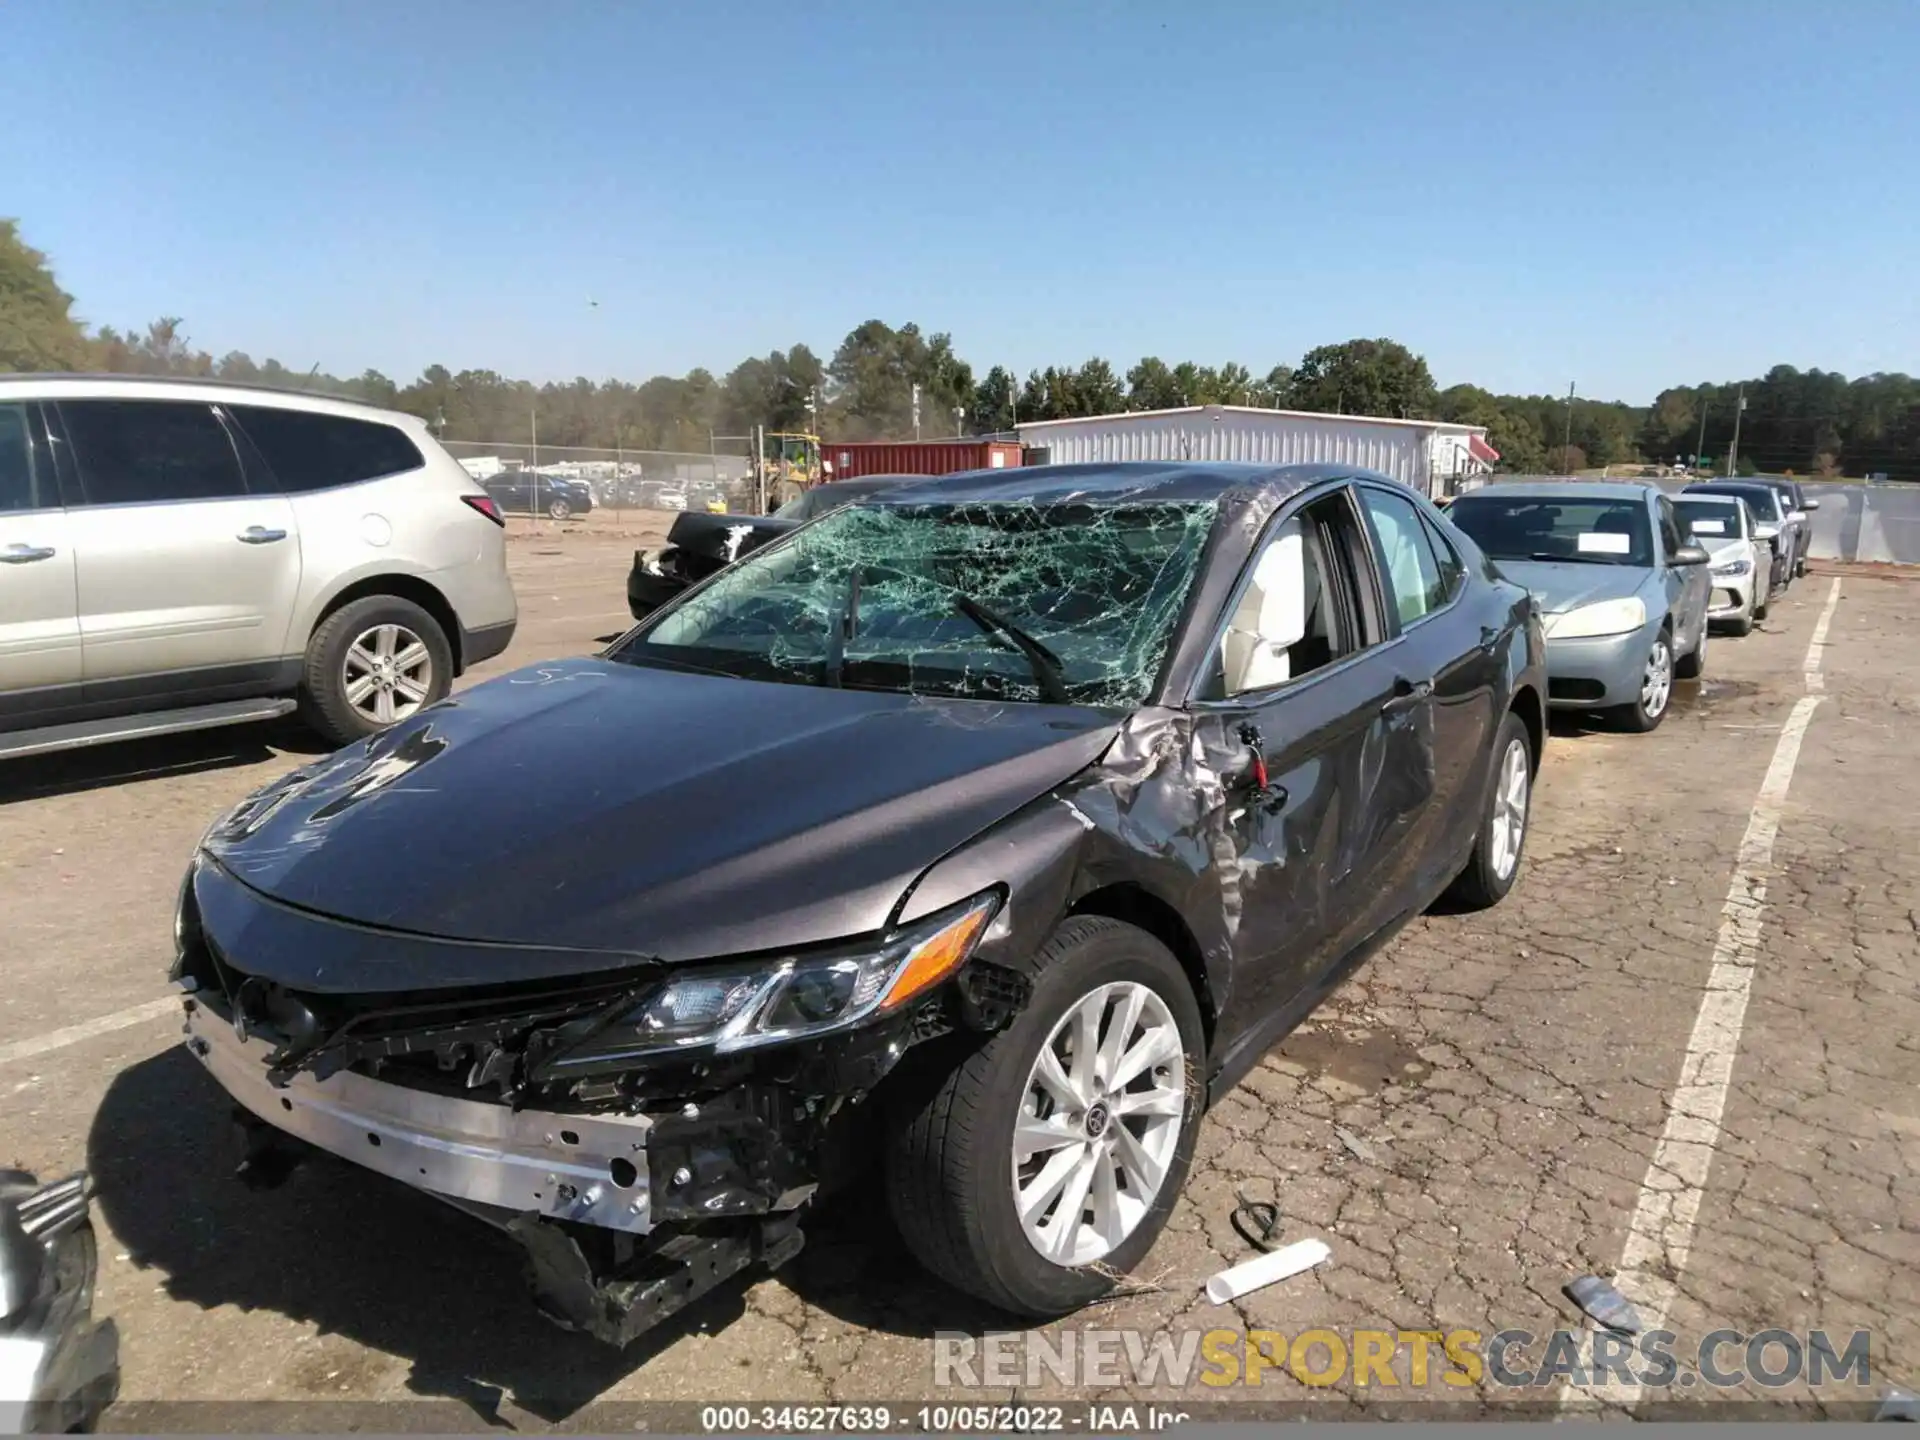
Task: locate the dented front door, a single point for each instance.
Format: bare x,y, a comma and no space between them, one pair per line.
1297,856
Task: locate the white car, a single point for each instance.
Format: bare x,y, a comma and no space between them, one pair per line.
1740,562
178,554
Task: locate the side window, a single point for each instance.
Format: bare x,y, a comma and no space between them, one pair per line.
18,490
1299,611
1410,571
1453,570
1669,528
141,451
317,452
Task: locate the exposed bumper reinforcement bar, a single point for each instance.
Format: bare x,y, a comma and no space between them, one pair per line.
591,1169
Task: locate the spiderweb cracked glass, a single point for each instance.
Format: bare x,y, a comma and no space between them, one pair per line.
869,596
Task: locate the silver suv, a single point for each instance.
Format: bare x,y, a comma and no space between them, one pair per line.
181,554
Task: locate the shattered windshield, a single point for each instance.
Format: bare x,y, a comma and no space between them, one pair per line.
1070,602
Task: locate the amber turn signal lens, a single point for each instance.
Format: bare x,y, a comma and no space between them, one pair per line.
939,955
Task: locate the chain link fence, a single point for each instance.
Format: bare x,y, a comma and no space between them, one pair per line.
563,482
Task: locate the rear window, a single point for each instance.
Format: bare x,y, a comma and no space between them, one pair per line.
318,452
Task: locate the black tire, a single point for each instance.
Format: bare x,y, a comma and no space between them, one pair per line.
1481,885
559,509
1636,717
1692,667
1761,603
324,705
949,1161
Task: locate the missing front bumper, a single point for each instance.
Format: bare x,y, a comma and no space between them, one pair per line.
590,1169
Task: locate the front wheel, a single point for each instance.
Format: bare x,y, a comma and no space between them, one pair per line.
372,663
1495,862
1656,689
1042,1166
559,509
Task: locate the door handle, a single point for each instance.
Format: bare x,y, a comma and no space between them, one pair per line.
259,535
25,554
1407,694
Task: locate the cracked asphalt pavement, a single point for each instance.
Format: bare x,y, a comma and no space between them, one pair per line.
1502,1081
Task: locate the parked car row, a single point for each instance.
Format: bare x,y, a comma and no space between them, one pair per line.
1632,580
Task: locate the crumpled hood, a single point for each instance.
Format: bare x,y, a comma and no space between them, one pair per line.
1568,587
604,806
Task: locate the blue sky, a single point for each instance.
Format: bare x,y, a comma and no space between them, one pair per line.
1621,193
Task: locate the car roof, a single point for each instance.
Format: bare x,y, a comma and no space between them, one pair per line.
1728,487
1135,482
62,386
1568,490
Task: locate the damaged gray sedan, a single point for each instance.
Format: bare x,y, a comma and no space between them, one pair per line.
981,834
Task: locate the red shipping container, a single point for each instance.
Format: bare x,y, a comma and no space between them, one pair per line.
849,461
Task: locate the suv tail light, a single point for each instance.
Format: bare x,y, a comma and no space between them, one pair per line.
488,507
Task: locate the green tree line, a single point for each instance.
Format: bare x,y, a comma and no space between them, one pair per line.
881,378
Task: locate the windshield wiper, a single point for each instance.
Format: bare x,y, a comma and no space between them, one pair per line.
840,631
1577,559
1045,664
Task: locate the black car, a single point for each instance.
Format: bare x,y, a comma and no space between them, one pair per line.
700,543
983,832
528,492
1795,498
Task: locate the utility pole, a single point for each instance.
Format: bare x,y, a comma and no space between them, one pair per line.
533,485
1566,443
1733,450
916,412
1013,402
1700,447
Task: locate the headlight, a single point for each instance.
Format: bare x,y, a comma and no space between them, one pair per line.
724,1009
1609,617
1733,567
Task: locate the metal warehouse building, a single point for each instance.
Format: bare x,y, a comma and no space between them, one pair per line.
1431,456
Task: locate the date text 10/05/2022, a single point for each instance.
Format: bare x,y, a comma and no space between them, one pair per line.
983,1419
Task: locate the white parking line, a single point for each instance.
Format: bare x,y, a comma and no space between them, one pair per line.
87,1029
1817,647
1661,1231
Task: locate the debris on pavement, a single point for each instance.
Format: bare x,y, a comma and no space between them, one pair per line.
1605,1305
1360,1148
1268,1269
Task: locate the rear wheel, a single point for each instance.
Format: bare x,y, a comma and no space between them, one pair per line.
1656,689
1495,862
1042,1167
372,663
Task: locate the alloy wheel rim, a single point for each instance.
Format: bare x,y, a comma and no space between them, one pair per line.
1658,682
1098,1123
388,673
1510,809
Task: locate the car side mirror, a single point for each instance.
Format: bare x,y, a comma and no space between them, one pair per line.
1798,516
1689,555
1765,532
1271,617
1811,505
